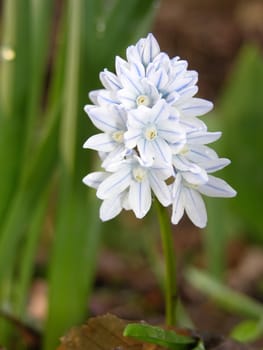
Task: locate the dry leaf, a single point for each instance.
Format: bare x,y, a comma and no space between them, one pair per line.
102,333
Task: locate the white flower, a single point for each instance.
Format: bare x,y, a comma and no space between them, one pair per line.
155,135
151,136
111,141
186,196
138,179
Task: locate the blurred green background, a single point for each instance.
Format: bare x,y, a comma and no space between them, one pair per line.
51,53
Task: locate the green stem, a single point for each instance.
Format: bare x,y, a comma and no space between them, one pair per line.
171,297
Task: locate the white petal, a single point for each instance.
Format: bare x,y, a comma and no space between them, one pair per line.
214,165
102,118
150,50
160,112
131,137
195,207
183,83
216,187
196,107
139,117
132,54
197,178
200,153
146,150
110,208
177,198
183,164
162,150
140,198
200,137
130,81
192,123
188,93
159,78
137,69
160,189
171,131
114,184
110,80
171,98
93,96
115,156
105,98
100,142
127,98
95,179
120,65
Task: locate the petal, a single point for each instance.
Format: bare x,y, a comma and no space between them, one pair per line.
127,98
171,131
200,153
140,198
139,117
132,54
110,208
180,84
106,97
131,137
195,178
183,164
160,112
171,98
200,137
115,183
215,164
120,65
130,81
150,50
177,198
137,69
216,187
146,150
110,80
95,179
102,118
195,207
187,93
100,142
162,151
160,189
93,96
196,107
159,78
192,123
114,156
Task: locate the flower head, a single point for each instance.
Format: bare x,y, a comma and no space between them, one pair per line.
151,140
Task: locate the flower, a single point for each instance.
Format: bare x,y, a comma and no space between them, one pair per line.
155,135
152,142
129,186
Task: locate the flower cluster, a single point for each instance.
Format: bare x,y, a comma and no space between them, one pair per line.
152,142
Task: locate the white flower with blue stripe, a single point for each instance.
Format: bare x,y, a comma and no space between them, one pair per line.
152,142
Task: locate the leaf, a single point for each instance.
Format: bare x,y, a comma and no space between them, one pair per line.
101,333
226,297
247,331
168,338
241,122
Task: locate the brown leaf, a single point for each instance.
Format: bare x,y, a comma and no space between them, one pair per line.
102,333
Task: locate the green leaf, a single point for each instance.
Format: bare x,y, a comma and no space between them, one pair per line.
241,121
159,336
224,296
248,331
